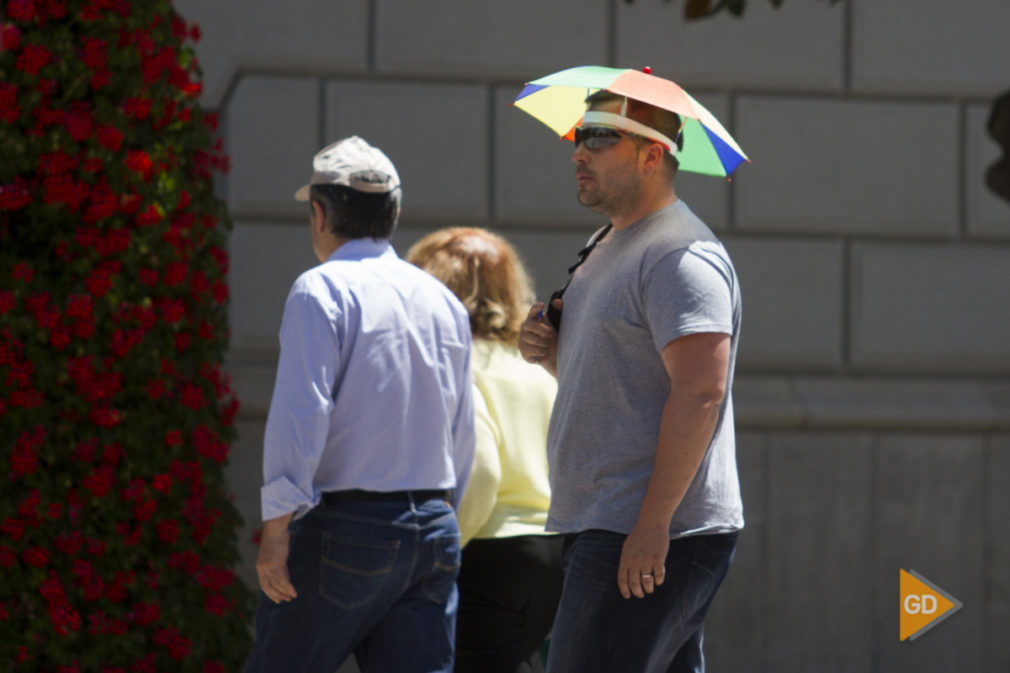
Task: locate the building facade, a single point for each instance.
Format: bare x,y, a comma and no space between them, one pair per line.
873,382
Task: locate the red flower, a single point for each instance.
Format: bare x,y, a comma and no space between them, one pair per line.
211,577
85,451
64,618
162,482
62,188
56,9
9,108
206,331
140,163
216,604
79,307
59,339
138,108
172,310
149,216
93,10
145,509
209,444
14,195
221,257
82,569
100,481
23,462
187,561
35,556
103,205
155,389
69,544
48,317
115,241
96,548
22,10
111,453
146,613
94,53
129,204
109,137
78,121
32,59
23,459
98,283
220,292
13,528
175,273
10,37
100,78
6,301
54,163
7,557
192,396
168,531
124,340
105,417
23,271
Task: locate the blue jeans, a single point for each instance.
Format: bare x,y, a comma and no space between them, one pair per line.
598,630
376,579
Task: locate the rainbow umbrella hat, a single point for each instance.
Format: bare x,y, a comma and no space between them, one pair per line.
558,100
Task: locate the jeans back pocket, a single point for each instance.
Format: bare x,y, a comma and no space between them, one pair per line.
353,571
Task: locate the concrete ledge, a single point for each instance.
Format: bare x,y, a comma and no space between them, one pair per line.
774,402
871,404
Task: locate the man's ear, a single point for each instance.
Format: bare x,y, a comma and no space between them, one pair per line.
319,216
652,157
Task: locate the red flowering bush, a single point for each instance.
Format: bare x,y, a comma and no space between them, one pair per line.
117,537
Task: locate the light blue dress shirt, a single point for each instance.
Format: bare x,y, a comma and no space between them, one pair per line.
373,386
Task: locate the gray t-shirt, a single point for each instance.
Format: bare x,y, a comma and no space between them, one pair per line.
664,277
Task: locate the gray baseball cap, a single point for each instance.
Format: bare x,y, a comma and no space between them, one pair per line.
353,163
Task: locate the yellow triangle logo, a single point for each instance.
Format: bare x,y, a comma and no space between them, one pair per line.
923,604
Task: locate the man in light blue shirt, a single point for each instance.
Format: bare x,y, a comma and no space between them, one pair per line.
368,443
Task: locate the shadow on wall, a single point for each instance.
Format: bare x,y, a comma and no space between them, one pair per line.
997,177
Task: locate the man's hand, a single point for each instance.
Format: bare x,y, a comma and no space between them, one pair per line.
643,561
538,342
272,561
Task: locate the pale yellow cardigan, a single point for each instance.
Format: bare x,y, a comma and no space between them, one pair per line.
508,493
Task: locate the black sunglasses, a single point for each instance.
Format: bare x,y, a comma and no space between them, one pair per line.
597,137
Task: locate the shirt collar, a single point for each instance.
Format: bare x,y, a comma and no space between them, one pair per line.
360,248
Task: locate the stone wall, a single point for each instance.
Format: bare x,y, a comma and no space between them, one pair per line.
873,391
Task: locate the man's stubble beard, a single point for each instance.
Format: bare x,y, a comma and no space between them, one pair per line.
611,202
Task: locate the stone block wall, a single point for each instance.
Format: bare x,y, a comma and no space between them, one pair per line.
873,390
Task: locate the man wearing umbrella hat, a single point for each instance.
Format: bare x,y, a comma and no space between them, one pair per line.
641,442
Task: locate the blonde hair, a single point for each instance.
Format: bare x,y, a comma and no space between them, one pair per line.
485,272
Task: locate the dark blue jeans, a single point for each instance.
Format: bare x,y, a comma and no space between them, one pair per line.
376,579
598,630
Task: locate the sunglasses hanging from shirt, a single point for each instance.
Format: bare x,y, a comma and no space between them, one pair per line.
553,314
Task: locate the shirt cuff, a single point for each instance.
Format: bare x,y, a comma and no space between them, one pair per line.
281,497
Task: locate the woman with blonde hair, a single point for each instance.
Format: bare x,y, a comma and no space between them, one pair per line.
510,579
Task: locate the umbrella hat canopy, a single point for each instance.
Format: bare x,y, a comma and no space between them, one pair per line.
558,100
